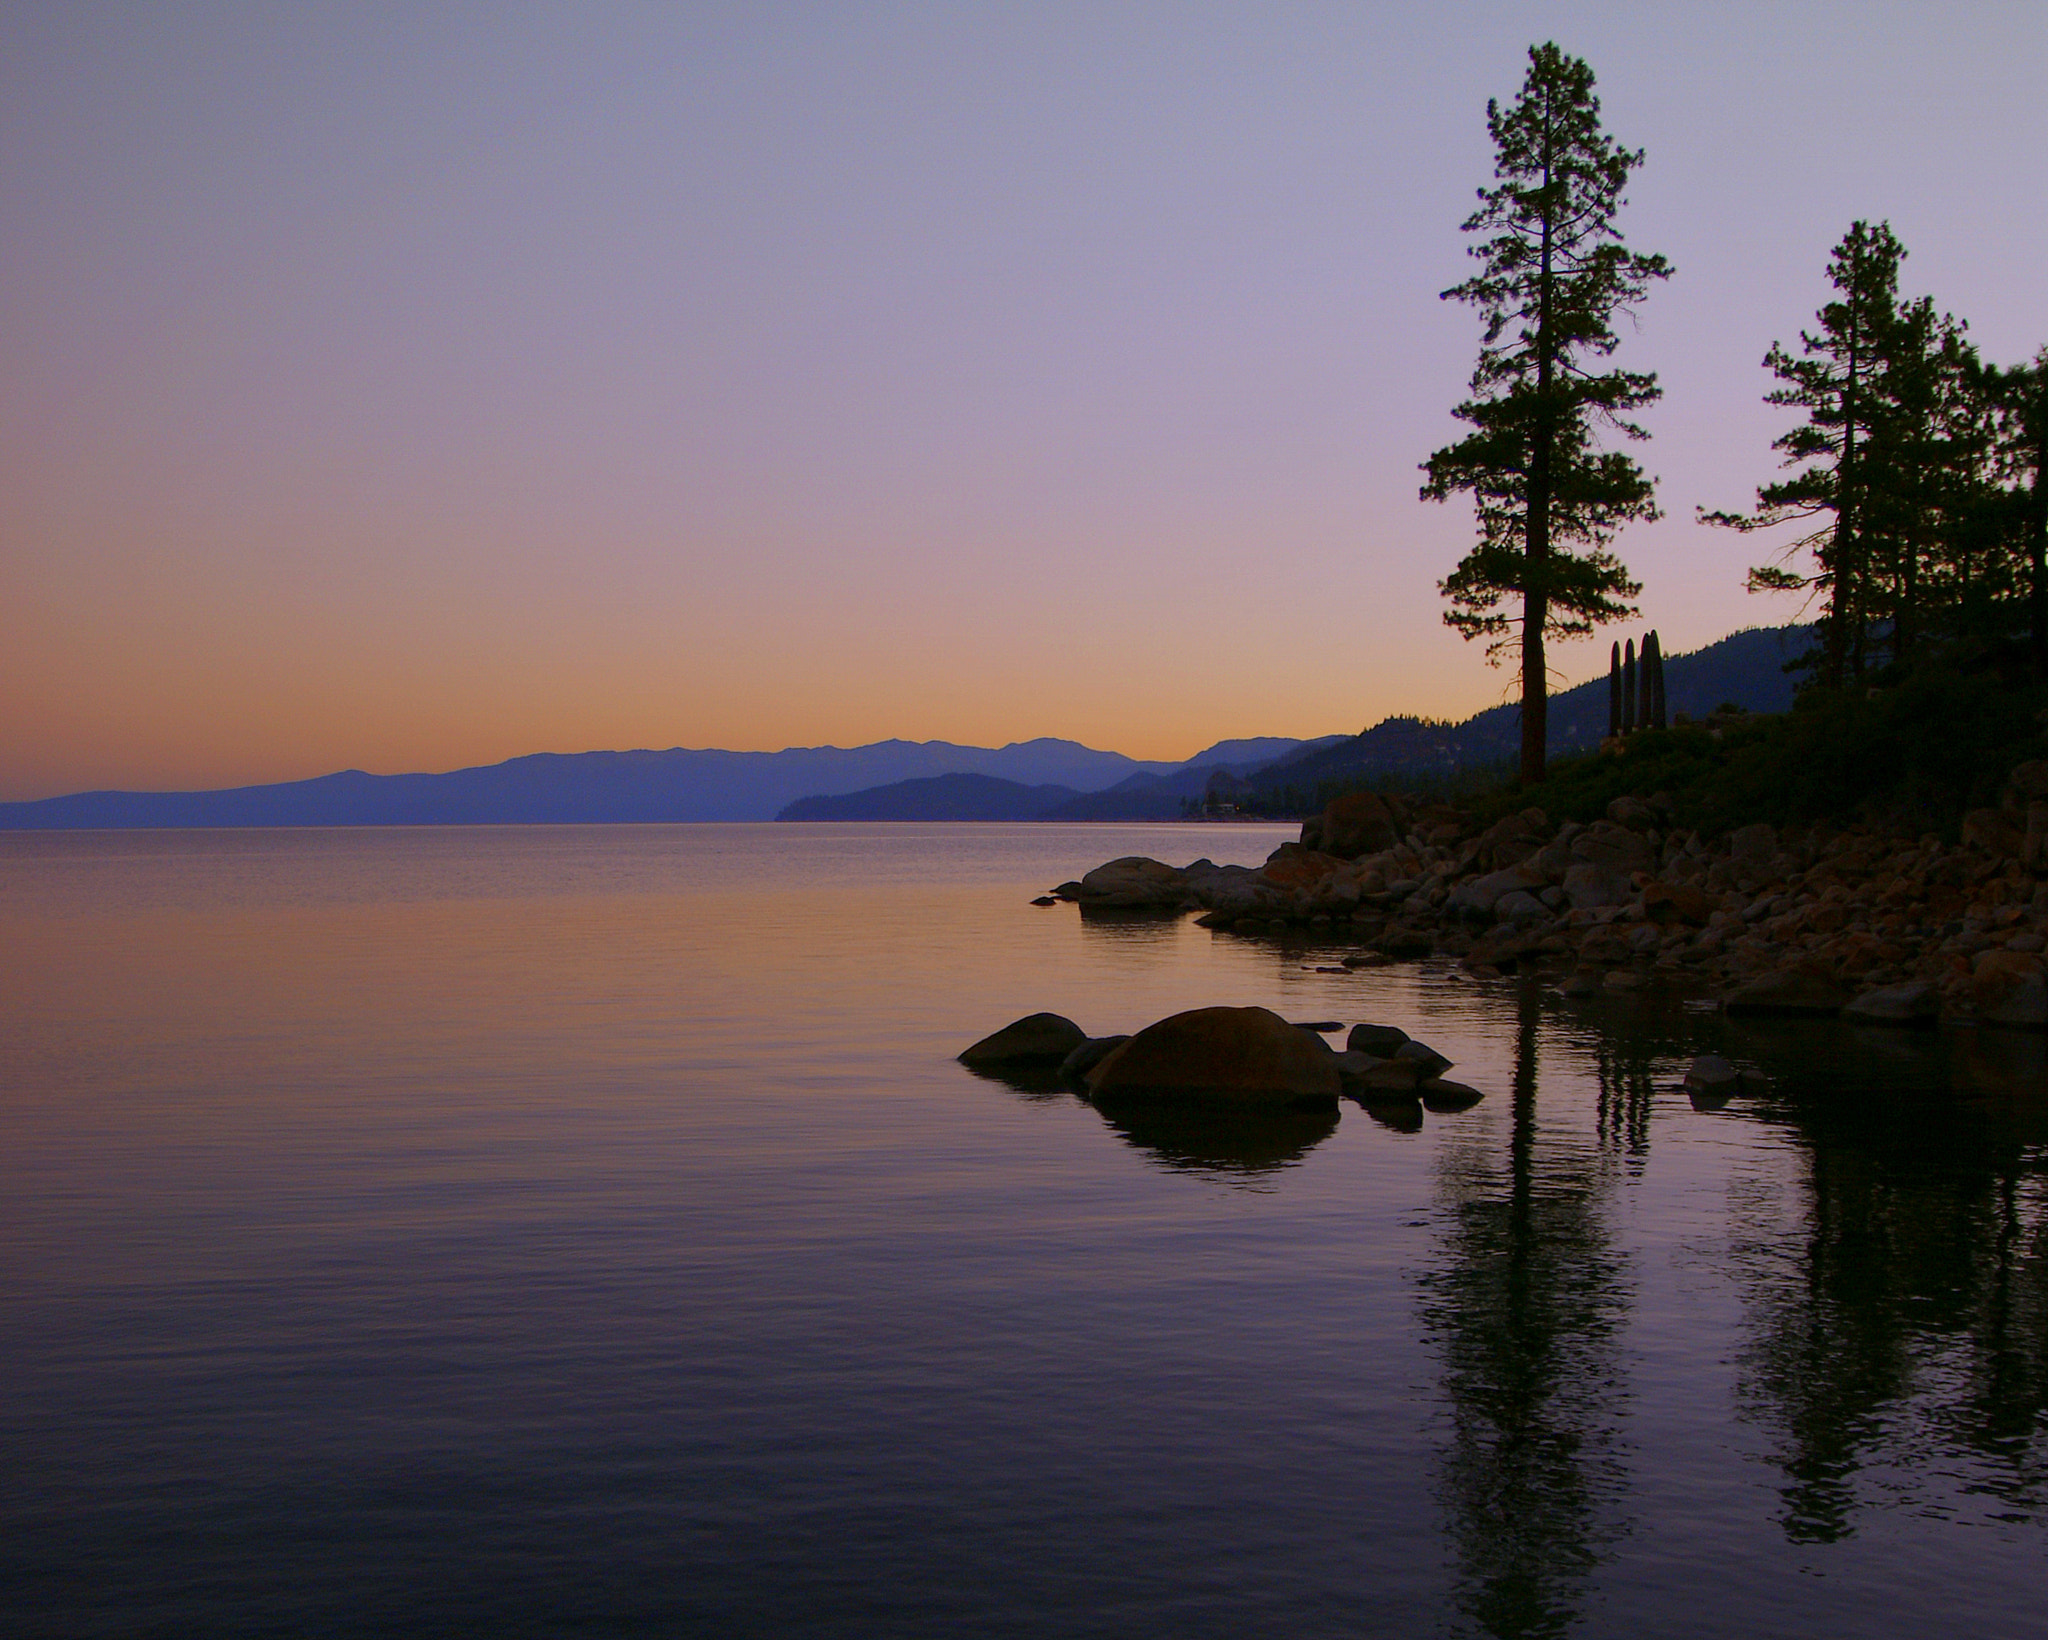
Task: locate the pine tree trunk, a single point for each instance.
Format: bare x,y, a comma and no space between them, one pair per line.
1535,697
2037,536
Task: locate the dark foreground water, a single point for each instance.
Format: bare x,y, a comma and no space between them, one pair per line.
587,1231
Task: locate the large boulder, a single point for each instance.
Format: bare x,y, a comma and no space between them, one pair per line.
1916,1002
1354,824
1614,848
2008,988
1994,831
1298,869
1134,880
1757,844
1588,884
2030,779
1477,898
1512,839
1632,812
1248,1056
1036,1039
1787,991
1666,902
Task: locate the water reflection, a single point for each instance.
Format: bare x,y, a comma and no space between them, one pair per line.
1219,1140
1041,1084
1525,1311
1141,927
1896,1294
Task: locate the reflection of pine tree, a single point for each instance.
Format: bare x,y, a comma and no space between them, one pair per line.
1622,1066
1910,1327
1524,1313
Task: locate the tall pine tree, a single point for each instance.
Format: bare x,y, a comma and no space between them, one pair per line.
1843,379
2020,398
1554,273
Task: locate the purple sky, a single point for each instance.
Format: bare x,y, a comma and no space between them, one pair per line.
412,387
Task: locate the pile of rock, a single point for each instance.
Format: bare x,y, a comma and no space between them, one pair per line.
1241,1057
1890,930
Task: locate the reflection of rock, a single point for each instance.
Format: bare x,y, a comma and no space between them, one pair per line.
1131,924
1245,1056
1402,1117
1036,1039
1210,1137
1033,1081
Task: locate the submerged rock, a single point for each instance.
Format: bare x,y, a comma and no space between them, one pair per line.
1230,1055
1036,1039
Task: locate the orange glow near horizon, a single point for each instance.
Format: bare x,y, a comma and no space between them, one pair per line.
394,394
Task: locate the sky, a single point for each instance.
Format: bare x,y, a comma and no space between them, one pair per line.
401,387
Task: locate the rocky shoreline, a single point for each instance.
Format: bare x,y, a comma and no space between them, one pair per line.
1817,920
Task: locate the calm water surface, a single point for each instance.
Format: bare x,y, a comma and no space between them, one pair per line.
587,1230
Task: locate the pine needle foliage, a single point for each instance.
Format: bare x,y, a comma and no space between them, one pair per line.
1554,273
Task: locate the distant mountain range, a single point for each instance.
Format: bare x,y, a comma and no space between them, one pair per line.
1746,670
589,787
917,780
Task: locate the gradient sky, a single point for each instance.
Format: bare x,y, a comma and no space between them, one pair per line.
404,388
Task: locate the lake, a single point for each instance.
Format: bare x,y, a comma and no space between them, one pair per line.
588,1230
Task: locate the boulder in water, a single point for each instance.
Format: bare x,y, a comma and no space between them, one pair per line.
1134,880
1377,1040
1036,1039
1448,1098
1228,1055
